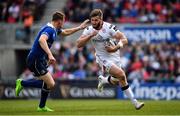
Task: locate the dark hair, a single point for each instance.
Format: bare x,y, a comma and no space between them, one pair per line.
96,12
58,16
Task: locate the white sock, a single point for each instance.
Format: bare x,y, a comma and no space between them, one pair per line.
130,95
104,79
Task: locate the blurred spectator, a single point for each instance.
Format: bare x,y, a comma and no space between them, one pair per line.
126,11
26,74
12,11
80,73
177,79
58,72
159,61
28,22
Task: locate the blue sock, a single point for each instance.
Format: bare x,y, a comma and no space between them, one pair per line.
44,96
32,83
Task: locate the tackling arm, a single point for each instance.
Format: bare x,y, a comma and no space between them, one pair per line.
70,31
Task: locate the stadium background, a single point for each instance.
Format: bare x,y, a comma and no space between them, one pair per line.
151,60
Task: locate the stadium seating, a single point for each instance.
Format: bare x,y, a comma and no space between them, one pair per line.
147,62
126,11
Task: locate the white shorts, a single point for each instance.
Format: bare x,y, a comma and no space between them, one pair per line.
107,62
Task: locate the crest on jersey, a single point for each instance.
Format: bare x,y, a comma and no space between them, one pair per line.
98,38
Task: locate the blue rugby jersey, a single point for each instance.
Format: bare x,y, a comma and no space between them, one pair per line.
36,50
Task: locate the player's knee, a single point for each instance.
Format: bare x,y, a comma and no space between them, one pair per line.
121,75
51,85
123,81
123,78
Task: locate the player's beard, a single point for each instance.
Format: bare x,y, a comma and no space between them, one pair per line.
97,27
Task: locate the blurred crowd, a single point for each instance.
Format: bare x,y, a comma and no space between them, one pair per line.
125,11
71,62
143,62
148,62
12,11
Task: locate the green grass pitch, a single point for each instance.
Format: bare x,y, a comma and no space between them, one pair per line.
89,107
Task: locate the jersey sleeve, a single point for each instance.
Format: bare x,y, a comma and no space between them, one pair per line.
59,31
49,32
113,30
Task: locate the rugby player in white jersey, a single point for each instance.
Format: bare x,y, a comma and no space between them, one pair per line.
107,40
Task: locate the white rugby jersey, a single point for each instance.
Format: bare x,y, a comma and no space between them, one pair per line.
103,38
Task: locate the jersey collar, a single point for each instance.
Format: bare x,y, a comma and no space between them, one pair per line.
50,25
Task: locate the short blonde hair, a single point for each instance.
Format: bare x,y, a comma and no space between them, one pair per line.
96,12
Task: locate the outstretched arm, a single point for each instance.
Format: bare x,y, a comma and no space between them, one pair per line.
70,31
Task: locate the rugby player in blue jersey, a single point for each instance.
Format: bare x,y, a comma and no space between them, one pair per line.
40,57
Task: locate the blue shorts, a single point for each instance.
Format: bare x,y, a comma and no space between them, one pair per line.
37,66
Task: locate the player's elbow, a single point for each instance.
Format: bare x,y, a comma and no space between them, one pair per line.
126,41
65,33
